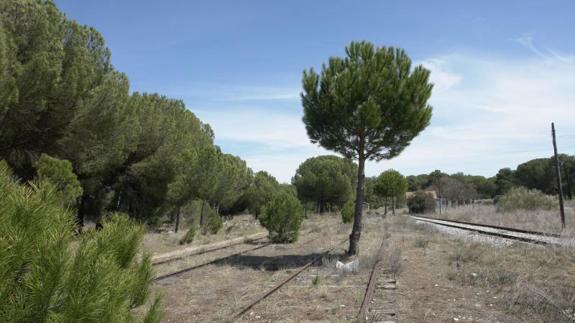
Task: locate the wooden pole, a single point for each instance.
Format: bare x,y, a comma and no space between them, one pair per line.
558,173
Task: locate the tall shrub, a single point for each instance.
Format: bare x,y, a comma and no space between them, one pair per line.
421,202
282,217
521,198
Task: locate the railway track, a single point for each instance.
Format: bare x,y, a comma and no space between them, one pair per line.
218,260
200,250
211,262
527,236
274,289
361,315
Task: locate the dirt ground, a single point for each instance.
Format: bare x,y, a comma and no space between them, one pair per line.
419,280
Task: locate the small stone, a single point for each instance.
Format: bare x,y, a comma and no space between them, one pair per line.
455,319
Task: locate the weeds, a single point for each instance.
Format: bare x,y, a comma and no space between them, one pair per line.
315,280
421,242
393,262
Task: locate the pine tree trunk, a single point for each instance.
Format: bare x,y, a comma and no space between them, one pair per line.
119,201
357,226
202,216
80,213
177,220
393,205
385,205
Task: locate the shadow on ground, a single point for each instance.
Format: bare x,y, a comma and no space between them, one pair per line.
273,263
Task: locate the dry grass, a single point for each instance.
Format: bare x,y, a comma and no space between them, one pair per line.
160,242
532,279
546,221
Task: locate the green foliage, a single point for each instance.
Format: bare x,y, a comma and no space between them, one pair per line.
282,217
43,278
60,174
142,154
390,184
417,182
368,105
421,202
261,191
457,190
520,198
190,235
505,180
348,211
214,224
325,180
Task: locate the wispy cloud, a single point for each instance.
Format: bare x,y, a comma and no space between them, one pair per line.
235,94
527,41
498,115
489,113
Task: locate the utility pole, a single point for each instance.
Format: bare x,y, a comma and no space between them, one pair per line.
558,173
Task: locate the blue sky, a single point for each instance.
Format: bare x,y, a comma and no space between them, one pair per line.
503,70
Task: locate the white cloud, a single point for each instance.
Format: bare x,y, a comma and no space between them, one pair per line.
497,116
267,127
442,79
489,113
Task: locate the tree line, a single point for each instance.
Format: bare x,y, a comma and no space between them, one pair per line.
538,174
143,154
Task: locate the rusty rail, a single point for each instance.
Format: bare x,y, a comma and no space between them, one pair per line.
209,263
361,315
283,283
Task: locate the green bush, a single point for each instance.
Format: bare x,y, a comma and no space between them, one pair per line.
214,224
282,217
520,198
190,235
59,172
47,276
421,202
348,212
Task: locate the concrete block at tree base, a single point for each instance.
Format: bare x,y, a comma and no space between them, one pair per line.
350,267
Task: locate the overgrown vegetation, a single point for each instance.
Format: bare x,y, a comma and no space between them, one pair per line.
520,198
421,202
282,217
189,236
44,279
536,281
347,212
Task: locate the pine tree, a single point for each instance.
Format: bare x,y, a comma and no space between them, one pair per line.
366,106
44,279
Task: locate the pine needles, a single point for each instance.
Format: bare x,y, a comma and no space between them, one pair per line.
45,275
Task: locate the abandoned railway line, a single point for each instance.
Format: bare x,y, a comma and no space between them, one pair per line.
496,232
274,289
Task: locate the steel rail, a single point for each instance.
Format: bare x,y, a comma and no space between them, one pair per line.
205,251
495,234
217,260
555,235
361,317
283,283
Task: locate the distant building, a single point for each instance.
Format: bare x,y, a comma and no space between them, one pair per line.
431,193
